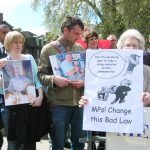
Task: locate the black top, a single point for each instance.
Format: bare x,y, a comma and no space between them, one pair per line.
146,58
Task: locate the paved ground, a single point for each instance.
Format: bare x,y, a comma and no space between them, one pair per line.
42,145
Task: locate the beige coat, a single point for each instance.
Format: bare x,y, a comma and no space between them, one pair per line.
146,81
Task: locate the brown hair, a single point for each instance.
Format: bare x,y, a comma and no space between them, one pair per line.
89,34
70,22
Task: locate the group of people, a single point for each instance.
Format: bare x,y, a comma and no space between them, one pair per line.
64,97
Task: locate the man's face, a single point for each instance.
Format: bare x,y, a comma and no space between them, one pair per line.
113,41
68,57
3,32
73,35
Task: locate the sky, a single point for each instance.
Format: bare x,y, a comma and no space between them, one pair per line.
19,14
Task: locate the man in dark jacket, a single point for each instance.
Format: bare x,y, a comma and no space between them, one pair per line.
4,29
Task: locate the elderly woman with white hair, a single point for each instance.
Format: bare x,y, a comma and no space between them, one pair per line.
132,39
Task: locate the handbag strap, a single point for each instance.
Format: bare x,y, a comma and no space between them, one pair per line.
59,47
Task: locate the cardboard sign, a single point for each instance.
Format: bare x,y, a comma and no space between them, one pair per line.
117,141
114,85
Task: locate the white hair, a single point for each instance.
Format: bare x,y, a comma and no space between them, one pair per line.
131,33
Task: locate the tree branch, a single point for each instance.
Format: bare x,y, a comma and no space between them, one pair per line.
94,7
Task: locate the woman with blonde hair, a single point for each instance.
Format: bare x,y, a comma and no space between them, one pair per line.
16,129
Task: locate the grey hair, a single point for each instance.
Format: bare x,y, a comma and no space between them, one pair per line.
131,33
110,35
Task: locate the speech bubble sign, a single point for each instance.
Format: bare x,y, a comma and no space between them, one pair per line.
106,64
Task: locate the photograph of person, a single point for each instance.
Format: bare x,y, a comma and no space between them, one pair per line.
69,65
18,82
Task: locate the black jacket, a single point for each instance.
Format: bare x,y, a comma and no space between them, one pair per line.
29,124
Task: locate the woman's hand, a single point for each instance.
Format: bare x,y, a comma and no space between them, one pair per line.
83,101
146,98
2,64
36,102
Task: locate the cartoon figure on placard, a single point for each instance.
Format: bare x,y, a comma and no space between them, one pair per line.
121,91
133,62
103,94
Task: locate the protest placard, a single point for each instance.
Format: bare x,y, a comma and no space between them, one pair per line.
130,141
18,82
114,86
69,65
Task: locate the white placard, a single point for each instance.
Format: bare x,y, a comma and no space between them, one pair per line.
114,85
130,141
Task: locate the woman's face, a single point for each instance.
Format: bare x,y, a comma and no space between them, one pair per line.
92,42
17,46
131,43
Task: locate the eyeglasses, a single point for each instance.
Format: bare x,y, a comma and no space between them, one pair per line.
131,47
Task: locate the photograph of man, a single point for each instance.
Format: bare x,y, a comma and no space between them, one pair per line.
69,70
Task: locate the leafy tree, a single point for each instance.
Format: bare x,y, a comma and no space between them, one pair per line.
112,21
57,10
108,16
137,15
124,14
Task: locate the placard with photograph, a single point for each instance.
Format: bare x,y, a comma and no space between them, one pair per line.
18,82
69,65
